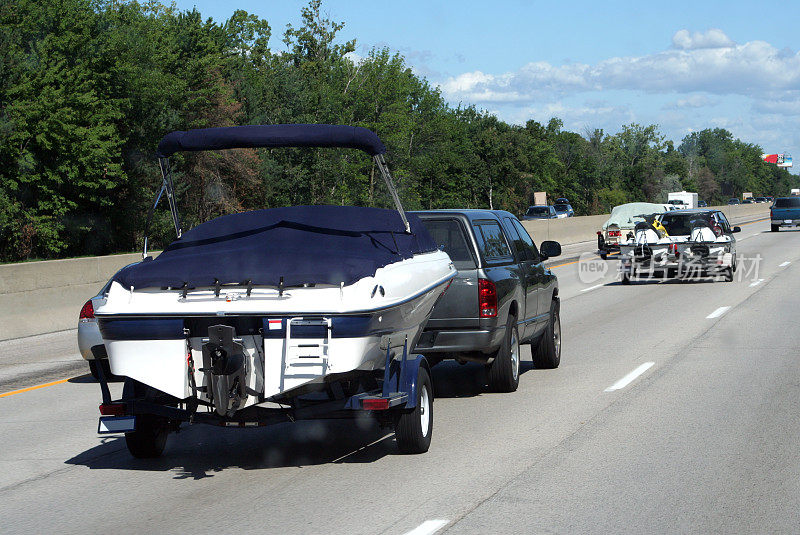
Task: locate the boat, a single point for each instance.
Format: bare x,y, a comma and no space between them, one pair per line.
268,305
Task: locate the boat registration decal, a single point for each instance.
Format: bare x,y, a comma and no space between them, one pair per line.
275,325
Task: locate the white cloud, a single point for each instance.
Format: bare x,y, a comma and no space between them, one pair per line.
691,101
713,38
747,69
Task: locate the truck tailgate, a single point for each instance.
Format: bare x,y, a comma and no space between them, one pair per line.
458,308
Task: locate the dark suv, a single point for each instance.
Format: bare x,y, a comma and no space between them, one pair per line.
503,295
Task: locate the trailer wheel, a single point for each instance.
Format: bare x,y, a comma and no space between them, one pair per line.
548,354
413,428
504,369
150,437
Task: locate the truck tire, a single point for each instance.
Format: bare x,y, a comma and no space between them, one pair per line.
775,228
503,372
150,437
413,428
548,354
626,279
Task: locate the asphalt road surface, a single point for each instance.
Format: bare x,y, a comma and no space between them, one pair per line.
675,409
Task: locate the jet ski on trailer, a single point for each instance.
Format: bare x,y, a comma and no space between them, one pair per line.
275,306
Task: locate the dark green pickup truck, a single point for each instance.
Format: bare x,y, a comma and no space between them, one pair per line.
503,295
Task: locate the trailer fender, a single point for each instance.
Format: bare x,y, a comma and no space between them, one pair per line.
404,376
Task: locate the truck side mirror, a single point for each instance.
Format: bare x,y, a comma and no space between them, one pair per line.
736,229
550,249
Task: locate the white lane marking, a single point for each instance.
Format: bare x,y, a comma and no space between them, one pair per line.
756,283
785,264
590,288
753,235
718,312
625,381
429,527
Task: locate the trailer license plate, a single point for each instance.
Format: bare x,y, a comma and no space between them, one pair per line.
116,424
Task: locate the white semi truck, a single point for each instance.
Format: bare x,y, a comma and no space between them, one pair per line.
682,199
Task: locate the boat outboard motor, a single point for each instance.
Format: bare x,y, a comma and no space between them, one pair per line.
225,367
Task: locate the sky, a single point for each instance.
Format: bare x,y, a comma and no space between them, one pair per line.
683,65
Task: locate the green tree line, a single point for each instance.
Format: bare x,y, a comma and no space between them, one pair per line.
88,87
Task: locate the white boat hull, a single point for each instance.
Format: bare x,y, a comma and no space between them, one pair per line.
150,334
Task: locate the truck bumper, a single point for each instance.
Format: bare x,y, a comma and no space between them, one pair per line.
460,341
785,222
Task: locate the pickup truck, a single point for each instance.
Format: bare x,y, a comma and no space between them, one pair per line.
785,212
503,295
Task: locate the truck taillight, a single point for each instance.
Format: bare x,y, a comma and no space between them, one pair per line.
487,299
770,214
87,312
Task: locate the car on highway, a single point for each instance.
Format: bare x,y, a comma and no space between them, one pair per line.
761,199
702,204
540,211
785,212
564,209
679,204
621,222
687,244
562,200
733,201
502,297
748,201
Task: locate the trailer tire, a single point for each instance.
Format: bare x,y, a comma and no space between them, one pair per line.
548,354
150,437
503,372
413,428
775,228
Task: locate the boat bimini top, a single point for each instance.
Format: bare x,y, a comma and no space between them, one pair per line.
267,136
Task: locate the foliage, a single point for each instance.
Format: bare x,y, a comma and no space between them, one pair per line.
88,87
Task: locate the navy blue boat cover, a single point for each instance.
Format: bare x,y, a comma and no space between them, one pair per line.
274,135
302,244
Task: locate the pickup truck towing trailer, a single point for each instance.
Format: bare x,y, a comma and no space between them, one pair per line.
785,212
502,296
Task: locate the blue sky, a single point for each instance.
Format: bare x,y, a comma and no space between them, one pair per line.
682,65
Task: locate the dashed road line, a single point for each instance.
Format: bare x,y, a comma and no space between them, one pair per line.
784,264
628,379
718,312
429,527
590,288
756,283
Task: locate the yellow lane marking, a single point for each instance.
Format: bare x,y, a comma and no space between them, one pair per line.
23,390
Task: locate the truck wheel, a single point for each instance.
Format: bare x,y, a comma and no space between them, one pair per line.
548,354
728,274
504,370
150,437
413,428
775,228
626,279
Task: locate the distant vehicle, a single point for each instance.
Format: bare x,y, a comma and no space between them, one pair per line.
702,204
564,209
503,295
540,212
761,199
795,191
689,198
562,200
679,204
733,201
785,213
747,201
621,223
685,244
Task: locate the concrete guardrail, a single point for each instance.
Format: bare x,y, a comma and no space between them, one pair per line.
46,296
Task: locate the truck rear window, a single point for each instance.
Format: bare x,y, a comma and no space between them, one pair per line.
449,236
492,242
787,202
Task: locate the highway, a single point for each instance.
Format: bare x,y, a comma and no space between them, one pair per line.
674,410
